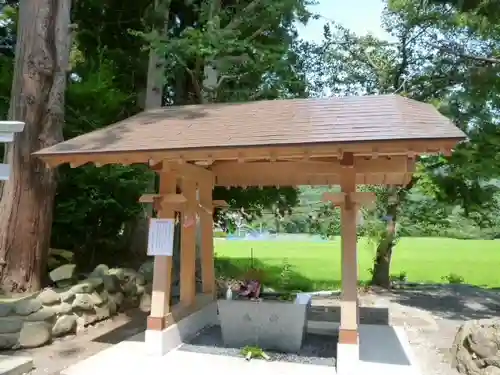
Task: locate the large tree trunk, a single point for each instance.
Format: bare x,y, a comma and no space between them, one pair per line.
382,263
153,99
37,98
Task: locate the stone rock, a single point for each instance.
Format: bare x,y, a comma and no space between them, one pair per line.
65,324
86,286
27,306
476,348
83,301
44,314
49,297
140,289
11,324
491,370
9,340
35,334
64,272
65,283
119,273
97,282
80,324
140,280
130,288
111,283
100,271
63,308
6,309
146,271
145,303
123,274
85,318
112,307
96,299
104,295
130,274
67,296
102,312
117,298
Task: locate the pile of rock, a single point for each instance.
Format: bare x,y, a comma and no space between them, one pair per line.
476,349
54,312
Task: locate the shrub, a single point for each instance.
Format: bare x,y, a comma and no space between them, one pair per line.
453,278
220,234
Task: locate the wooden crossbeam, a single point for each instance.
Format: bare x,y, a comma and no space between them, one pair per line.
301,172
365,199
165,198
183,169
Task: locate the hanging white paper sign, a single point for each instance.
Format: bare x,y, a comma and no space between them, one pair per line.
161,237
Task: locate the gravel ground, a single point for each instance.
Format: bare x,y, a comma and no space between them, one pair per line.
316,349
430,314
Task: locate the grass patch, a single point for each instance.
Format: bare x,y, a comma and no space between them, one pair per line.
316,265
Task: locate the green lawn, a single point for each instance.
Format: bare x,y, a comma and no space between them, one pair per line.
316,265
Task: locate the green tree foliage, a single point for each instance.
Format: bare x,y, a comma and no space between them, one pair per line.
95,206
435,55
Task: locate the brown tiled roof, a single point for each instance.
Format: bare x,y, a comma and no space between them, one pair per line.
267,123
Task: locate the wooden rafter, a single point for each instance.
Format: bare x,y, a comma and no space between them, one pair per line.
205,157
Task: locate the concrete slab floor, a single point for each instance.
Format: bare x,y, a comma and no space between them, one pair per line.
14,365
128,358
384,350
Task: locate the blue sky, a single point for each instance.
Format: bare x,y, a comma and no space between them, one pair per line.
361,16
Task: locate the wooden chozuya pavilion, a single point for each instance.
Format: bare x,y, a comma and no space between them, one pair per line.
337,141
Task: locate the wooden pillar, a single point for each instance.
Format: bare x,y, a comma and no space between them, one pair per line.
207,241
348,333
188,244
162,272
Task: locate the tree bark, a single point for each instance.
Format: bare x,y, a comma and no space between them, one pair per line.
37,98
382,263
154,99
381,275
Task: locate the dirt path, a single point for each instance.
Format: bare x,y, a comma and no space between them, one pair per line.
430,314
50,360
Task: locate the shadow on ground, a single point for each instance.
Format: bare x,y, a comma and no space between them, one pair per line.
367,315
130,330
453,301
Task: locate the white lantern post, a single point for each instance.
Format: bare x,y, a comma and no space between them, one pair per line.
7,130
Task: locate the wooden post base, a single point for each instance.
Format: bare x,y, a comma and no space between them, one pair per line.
179,311
348,336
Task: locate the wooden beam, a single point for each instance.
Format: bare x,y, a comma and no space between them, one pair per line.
348,331
291,173
207,242
185,170
336,198
166,198
188,244
397,164
382,148
162,270
358,198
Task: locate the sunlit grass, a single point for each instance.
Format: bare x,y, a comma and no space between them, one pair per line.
422,259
